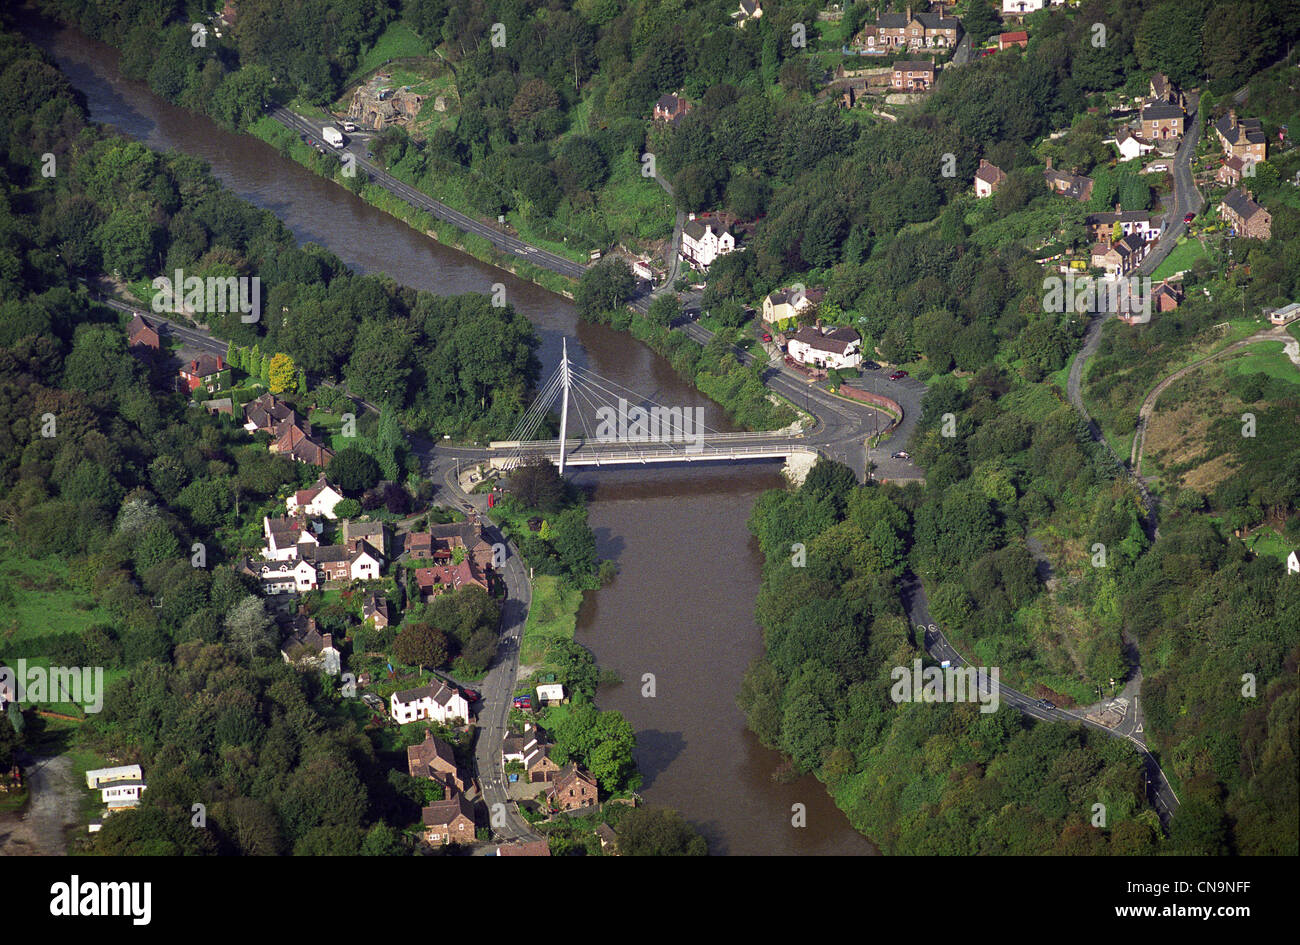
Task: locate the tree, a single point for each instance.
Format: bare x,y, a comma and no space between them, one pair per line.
537,485
419,644
658,831
604,288
281,374
353,470
664,310
249,629
575,542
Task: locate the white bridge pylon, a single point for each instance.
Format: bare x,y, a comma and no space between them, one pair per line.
597,399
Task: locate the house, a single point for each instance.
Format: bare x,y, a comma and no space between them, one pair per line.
293,438
1120,257
355,561
830,348
1292,564
375,609
1018,38
749,10
308,648
372,533
207,371
220,406
1074,186
444,577
1248,218
282,577
1161,121
1101,226
449,821
549,693
1166,296
531,750
572,789
906,31
120,794
1165,91
266,412
608,839
439,702
1130,145
1018,8
1284,315
671,108
788,303
142,333
1242,138
287,539
419,546
988,179
97,777
1231,171
434,759
317,501
532,847
467,535
703,241
913,75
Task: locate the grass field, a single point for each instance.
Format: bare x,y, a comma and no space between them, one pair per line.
1185,253
398,41
43,601
1267,357
1267,543
552,616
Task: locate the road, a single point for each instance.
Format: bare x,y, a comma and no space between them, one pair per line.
1159,792
502,241
1186,198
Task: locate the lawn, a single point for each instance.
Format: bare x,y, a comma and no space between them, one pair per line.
36,596
1267,543
399,41
552,616
1185,253
1267,357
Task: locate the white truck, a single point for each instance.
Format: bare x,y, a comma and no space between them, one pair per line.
333,137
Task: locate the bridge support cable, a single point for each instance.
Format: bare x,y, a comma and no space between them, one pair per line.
564,410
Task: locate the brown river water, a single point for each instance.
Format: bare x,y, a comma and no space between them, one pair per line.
682,607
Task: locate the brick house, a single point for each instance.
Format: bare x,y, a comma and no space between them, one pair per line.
266,412
907,31
1074,186
1163,90
671,108
1120,257
1241,138
142,333
572,789
988,179
1166,296
1162,121
449,821
371,532
1018,38
913,75
467,535
1248,218
294,440
440,578
207,371
434,759
375,609
1231,171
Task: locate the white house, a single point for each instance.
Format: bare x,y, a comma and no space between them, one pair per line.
121,794
363,564
1283,316
1292,564
1019,7
100,776
988,178
439,702
703,241
550,692
283,577
1131,146
836,348
318,501
283,537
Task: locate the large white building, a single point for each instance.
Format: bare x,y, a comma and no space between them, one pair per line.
318,501
836,348
703,241
439,702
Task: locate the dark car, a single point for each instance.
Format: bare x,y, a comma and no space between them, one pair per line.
898,375
1047,705
870,366
1189,217
901,454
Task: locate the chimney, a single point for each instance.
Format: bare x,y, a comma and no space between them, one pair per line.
1049,164
1232,117
220,364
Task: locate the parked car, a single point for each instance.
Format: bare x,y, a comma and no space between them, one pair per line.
767,336
898,375
870,366
471,696
523,702
901,454
1189,217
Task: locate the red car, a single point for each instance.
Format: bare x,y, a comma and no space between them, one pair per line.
471,696
898,375
767,336
1188,218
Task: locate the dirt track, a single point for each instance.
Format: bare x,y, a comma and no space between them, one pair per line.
41,829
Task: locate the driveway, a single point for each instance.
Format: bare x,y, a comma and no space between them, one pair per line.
54,800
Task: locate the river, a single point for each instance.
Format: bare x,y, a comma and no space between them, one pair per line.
682,607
